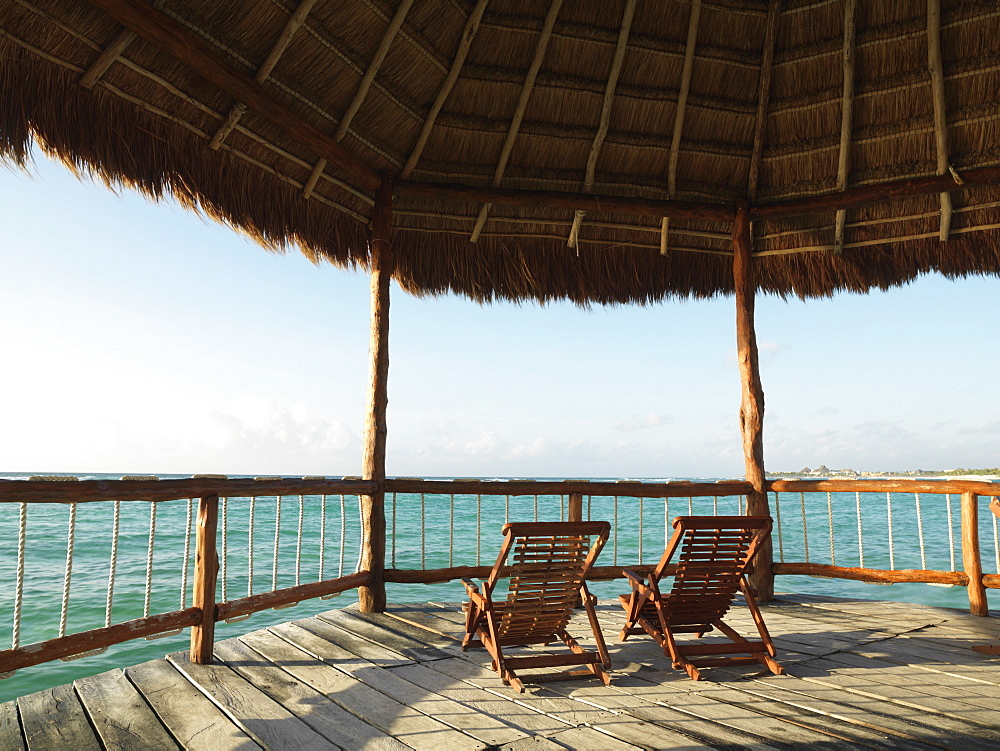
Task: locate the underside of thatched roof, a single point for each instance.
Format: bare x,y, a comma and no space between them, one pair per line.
619,135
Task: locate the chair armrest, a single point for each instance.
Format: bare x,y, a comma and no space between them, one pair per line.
472,589
638,584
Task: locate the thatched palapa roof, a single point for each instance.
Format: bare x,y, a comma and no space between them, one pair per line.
589,150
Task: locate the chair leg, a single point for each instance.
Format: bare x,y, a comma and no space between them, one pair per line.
602,649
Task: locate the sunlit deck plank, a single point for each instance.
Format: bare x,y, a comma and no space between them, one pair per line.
117,711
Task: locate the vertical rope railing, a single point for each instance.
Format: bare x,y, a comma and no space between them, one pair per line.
951,531
451,531
892,548
861,534
22,540
423,532
641,515
614,531
224,559
277,542
250,531
920,533
805,526
298,542
829,517
185,566
343,534
479,529
666,522
781,534
113,563
148,595
322,534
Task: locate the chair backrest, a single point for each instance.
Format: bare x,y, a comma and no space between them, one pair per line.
714,553
548,564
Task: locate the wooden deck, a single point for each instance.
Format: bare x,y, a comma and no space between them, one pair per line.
861,674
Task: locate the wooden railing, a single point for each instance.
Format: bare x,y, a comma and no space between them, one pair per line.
205,609
874,501
482,505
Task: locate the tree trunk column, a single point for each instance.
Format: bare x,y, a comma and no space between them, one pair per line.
371,598
752,402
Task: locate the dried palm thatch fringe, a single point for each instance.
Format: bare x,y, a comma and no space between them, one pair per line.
514,95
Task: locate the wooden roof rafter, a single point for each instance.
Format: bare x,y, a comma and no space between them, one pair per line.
468,35
682,97
522,104
363,87
602,128
174,38
239,109
936,68
846,117
763,97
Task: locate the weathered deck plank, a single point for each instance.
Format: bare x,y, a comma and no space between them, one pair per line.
860,675
190,716
119,714
53,719
10,727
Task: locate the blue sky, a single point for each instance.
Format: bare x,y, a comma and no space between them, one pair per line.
140,337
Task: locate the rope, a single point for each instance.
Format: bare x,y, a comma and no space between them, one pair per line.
996,544
364,536
920,533
562,512
149,560
277,542
640,529
829,516
70,539
536,508
690,506
322,534
615,530
590,500
253,506
951,531
506,509
861,537
113,563
343,535
22,538
781,537
298,542
225,548
187,552
892,549
423,534
715,505
666,522
451,531
479,524
393,530
805,527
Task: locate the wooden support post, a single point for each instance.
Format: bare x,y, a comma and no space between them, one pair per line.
371,597
575,511
206,568
752,403
971,561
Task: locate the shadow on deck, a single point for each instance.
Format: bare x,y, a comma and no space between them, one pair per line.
860,674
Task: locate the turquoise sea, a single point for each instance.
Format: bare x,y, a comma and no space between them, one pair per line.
430,532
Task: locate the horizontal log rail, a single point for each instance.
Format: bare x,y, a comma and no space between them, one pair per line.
98,638
88,491
879,576
290,595
440,575
630,489
884,486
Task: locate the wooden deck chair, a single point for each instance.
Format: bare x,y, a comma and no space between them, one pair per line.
715,553
549,562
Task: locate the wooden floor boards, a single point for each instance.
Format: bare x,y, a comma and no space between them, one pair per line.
860,675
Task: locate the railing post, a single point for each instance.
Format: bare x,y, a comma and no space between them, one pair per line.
575,511
206,569
371,597
971,561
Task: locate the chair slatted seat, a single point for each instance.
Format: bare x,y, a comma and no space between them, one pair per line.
714,554
547,570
